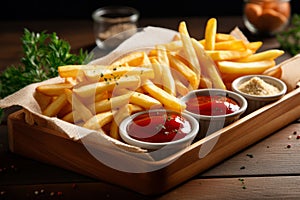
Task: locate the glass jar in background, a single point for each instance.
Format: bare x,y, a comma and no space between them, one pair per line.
114,24
266,17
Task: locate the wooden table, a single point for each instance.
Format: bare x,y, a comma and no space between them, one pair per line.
269,169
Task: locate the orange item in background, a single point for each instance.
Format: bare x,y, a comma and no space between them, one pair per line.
267,16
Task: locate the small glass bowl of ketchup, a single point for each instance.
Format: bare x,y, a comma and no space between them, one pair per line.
214,108
159,129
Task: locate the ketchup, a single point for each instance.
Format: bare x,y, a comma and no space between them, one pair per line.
212,105
157,127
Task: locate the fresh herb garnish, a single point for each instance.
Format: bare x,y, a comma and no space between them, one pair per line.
43,53
289,39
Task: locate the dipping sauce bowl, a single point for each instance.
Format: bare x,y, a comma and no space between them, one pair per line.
159,129
214,108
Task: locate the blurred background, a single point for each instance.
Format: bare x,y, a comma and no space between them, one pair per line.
82,9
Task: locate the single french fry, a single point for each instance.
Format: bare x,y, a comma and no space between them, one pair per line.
209,66
169,101
205,82
210,34
121,91
69,70
54,107
80,110
181,88
83,112
173,46
102,95
190,55
119,100
225,55
182,29
254,46
202,42
145,61
102,105
122,113
114,130
270,54
117,72
256,67
145,101
99,120
184,70
221,37
68,117
69,94
77,109
73,70
157,68
42,99
88,90
53,89
167,78
162,56
65,110
188,48
152,53
231,45
111,103
71,80
132,59
135,108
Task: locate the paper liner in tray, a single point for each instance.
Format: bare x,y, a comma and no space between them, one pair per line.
92,139
120,154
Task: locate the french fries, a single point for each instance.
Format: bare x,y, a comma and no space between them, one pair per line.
235,56
270,54
56,105
210,34
169,101
255,67
189,51
99,97
54,89
168,82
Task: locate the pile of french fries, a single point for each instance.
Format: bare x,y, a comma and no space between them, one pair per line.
235,56
99,97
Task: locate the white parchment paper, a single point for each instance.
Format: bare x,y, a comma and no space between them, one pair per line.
93,140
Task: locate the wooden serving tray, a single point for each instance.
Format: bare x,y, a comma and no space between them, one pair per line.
52,147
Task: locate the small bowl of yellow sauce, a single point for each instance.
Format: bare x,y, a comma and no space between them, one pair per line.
259,90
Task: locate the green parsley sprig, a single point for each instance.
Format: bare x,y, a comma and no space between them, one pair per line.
43,53
289,39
